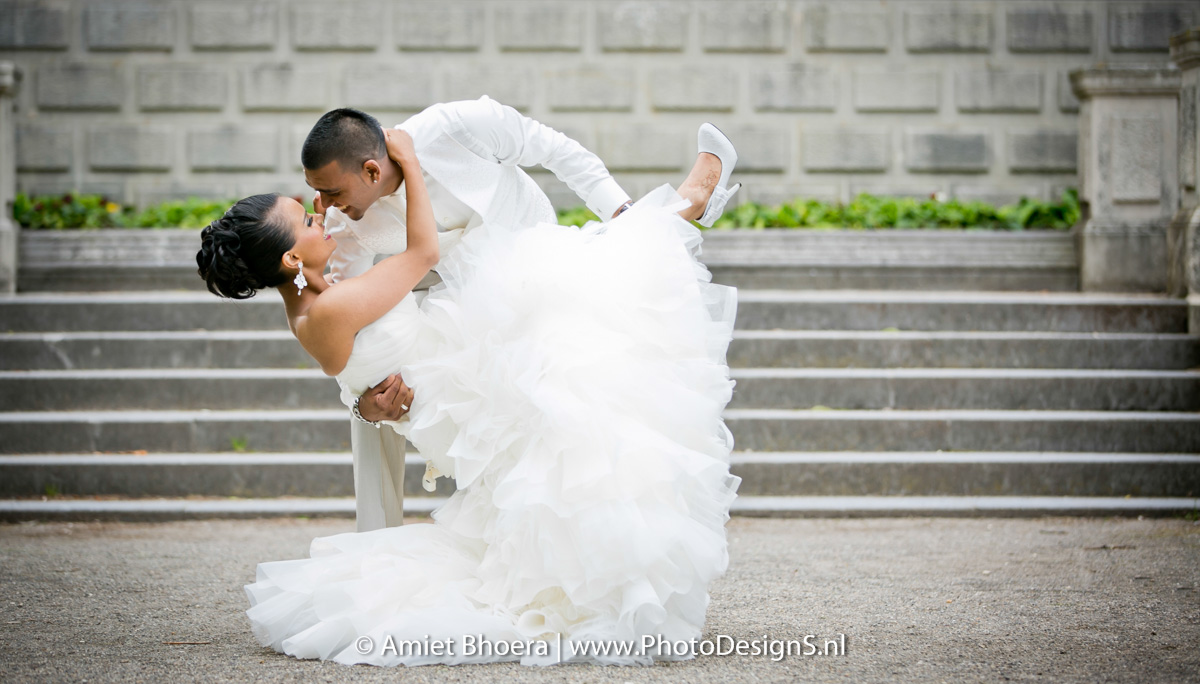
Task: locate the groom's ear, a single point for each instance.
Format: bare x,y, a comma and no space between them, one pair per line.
373,171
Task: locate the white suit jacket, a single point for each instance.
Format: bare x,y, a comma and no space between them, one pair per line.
470,153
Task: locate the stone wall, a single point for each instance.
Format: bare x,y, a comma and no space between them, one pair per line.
150,100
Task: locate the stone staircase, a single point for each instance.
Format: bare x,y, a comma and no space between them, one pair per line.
174,404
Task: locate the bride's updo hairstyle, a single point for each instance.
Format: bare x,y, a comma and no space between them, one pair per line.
240,252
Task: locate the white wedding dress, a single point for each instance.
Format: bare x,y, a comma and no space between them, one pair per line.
572,381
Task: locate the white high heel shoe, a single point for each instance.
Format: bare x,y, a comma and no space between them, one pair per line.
710,139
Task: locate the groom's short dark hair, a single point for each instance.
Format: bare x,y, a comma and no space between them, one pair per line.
347,136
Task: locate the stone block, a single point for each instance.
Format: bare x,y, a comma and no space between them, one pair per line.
33,26
1189,131
283,87
1050,29
775,194
644,147
1043,151
948,28
177,87
909,188
129,26
744,27
998,91
234,26
897,91
941,152
591,89
643,26
513,86
127,147
386,87
540,26
840,150
1147,27
761,148
438,26
997,197
1067,102
795,89
344,26
233,148
46,184
1136,145
694,89
829,29
44,148
80,87
292,186
295,143
150,193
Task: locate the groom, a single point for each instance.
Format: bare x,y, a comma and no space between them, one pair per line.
470,154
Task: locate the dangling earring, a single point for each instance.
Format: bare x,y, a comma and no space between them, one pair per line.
300,280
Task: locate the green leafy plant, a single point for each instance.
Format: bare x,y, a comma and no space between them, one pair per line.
868,211
239,444
864,211
576,216
54,212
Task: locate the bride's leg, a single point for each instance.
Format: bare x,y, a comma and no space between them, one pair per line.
699,184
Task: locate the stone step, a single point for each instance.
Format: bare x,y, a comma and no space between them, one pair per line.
749,348
134,259
257,475
965,430
893,259
169,389
757,310
776,388
960,349
152,349
70,278
154,510
964,388
753,430
885,277
1023,311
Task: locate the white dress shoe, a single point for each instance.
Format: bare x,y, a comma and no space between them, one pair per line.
710,139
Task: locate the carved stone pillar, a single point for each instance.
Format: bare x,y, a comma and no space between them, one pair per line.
1129,174
1183,236
8,179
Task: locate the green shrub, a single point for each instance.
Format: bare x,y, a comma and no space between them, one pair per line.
867,211
864,211
95,211
576,216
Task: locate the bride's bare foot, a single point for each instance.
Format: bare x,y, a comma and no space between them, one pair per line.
699,184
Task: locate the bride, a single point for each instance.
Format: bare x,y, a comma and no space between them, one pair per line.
571,380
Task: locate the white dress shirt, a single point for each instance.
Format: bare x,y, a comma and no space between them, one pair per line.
494,132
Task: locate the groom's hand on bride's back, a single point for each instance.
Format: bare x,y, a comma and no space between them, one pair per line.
389,400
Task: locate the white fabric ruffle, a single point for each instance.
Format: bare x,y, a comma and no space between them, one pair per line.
572,381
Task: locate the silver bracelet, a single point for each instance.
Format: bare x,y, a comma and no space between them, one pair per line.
354,411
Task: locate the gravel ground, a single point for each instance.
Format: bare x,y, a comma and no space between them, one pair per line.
930,600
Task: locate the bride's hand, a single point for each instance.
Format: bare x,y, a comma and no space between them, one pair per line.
400,146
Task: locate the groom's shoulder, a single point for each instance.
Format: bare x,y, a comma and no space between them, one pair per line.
457,110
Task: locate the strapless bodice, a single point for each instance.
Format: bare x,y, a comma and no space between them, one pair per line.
399,336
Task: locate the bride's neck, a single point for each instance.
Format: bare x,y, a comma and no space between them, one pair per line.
393,176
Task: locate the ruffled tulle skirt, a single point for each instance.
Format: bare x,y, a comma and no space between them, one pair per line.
573,385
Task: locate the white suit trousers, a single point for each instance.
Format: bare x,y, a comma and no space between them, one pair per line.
378,476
